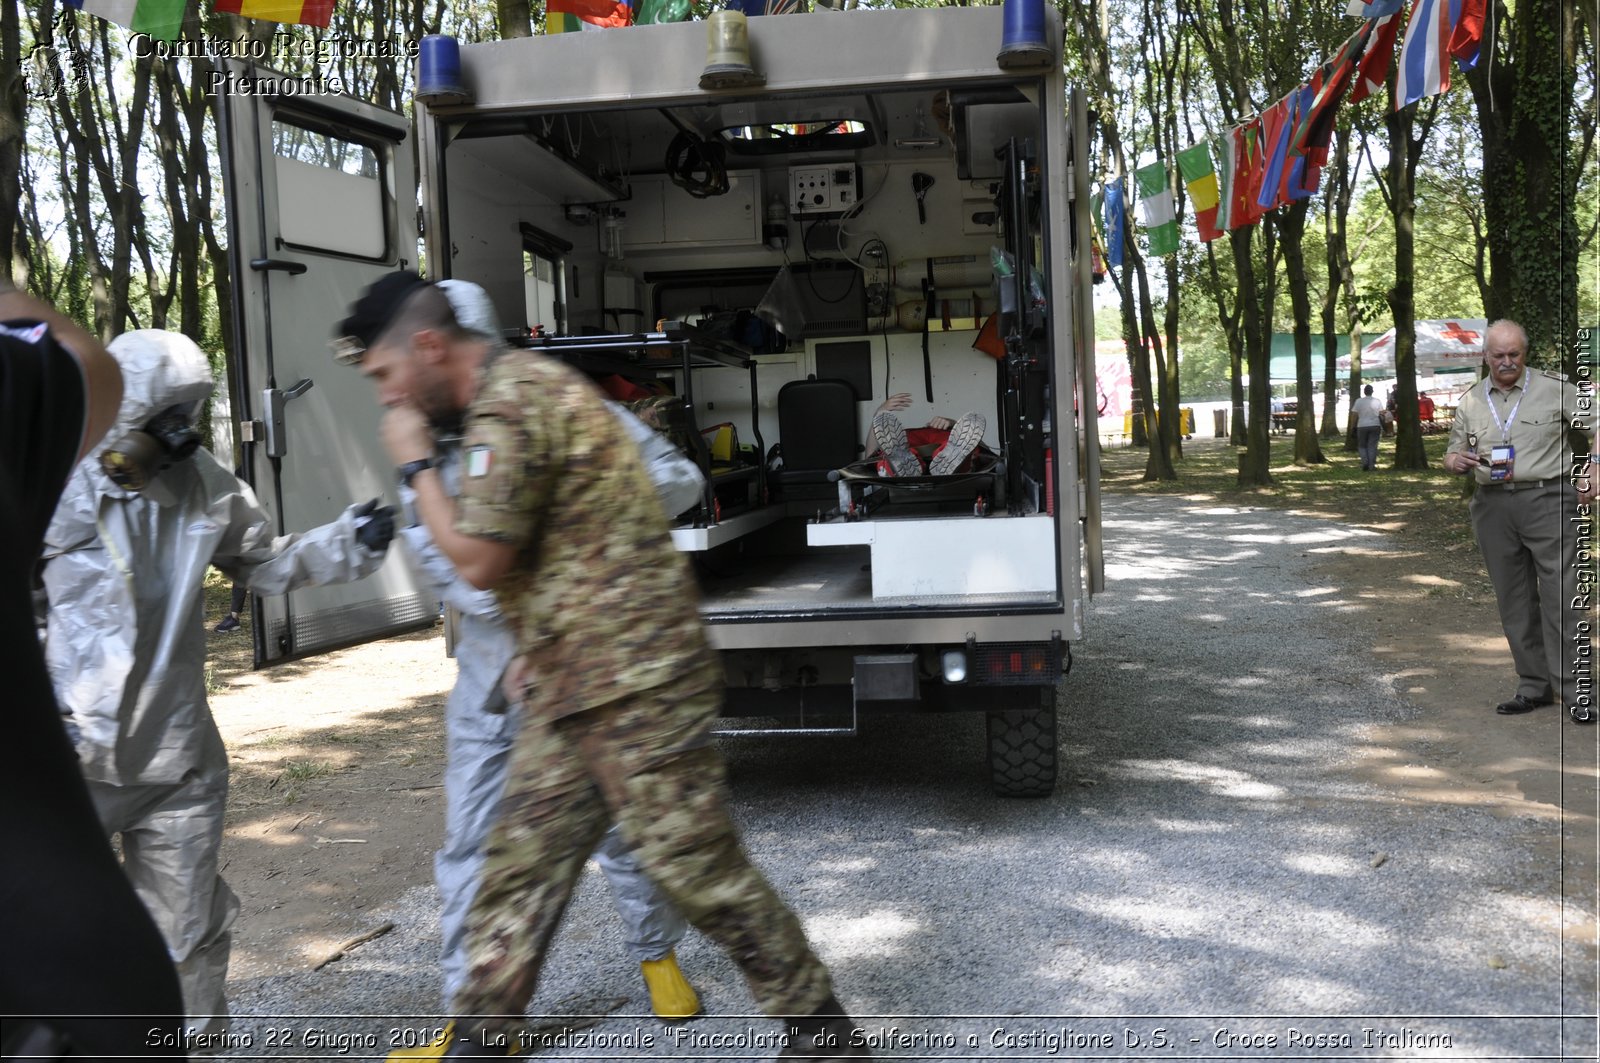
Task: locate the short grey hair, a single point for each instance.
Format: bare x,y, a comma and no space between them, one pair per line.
1507,323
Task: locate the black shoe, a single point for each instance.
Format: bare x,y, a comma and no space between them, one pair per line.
825,1034
229,623
1520,704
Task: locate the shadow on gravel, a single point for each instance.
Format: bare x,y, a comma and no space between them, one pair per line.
1210,852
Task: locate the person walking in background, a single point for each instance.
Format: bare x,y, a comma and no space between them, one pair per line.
1510,434
617,682
1369,426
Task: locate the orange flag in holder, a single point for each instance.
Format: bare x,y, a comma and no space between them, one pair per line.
297,12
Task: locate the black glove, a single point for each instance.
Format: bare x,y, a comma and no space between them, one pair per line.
375,526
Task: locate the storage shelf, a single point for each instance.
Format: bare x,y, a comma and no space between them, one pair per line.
690,540
677,347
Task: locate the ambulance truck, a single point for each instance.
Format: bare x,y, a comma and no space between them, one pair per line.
760,237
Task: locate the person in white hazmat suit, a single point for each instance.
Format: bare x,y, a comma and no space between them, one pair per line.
142,518
480,731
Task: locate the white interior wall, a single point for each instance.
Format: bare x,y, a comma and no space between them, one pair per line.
486,246
487,204
963,380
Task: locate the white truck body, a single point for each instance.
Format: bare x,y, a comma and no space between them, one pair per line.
552,187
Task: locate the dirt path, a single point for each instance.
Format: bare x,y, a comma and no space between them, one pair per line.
337,806
1438,639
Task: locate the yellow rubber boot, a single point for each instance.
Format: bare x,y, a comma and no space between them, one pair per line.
672,998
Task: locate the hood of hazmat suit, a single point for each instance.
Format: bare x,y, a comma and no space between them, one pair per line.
125,575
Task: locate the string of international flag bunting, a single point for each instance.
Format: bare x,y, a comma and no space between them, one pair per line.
1269,160
1276,157
162,20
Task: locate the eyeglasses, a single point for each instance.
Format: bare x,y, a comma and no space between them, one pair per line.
347,350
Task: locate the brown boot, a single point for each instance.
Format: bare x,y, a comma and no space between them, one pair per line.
826,1034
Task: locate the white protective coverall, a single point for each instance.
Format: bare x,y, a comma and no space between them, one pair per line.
479,731
126,648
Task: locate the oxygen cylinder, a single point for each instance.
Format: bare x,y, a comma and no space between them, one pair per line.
949,271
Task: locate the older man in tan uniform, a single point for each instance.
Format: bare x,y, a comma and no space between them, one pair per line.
1530,514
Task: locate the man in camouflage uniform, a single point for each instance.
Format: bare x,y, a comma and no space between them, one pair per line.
618,683
1528,513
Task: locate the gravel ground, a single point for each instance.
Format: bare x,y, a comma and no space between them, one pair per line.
1211,879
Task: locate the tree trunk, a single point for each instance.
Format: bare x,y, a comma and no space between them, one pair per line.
1524,95
1229,320
1162,105
1236,396
13,122
1164,423
1255,464
1292,225
516,19
1341,273
1408,452
1144,407
1330,328
1330,374
1171,381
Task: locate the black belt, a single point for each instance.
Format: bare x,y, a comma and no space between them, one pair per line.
1520,485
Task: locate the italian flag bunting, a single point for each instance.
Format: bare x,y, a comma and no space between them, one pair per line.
1155,200
160,20
1201,180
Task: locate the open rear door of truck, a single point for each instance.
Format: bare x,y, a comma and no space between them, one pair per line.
321,200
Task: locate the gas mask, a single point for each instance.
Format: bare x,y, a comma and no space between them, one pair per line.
136,459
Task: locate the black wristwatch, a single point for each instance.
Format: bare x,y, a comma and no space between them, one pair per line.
411,468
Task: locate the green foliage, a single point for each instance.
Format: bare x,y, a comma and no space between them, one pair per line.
1232,59
1444,284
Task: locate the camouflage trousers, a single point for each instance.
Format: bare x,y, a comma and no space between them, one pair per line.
647,763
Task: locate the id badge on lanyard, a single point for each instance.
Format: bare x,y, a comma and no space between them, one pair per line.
1502,458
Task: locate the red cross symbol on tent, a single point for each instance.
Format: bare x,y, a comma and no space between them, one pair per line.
1456,332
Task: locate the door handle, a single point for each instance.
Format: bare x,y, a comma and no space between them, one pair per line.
273,401
262,265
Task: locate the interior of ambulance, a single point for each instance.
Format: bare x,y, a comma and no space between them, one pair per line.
756,278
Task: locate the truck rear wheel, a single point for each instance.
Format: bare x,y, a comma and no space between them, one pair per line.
1022,743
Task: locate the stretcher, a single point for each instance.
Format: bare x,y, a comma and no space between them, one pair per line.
864,494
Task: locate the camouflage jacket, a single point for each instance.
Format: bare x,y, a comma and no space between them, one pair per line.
602,603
